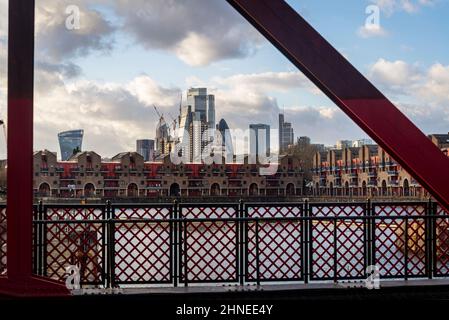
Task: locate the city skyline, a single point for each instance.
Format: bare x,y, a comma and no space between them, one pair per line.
251,81
197,108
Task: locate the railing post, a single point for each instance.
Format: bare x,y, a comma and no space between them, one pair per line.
175,243
180,243
186,271
305,240
334,233
241,224
257,252
372,233
110,267
406,249
44,227
368,234
37,228
430,236
310,239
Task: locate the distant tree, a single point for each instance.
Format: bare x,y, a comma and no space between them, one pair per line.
76,150
304,152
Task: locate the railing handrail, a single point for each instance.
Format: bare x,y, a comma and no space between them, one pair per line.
239,219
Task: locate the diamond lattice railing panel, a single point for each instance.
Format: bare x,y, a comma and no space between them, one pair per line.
2,240
274,212
142,252
402,210
150,212
442,243
280,244
322,250
416,246
341,250
209,212
399,251
74,213
351,249
211,247
78,244
346,210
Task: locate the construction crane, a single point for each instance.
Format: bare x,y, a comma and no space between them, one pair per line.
174,121
161,116
157,112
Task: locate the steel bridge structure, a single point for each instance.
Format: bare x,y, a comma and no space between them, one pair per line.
294,38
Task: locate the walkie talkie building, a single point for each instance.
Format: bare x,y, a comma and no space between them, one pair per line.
69,141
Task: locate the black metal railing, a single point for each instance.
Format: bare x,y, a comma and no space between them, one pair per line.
240,243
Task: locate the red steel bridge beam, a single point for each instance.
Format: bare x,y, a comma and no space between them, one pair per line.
351,91
20,280
292,35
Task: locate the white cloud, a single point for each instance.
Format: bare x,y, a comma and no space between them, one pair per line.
371,30
266,82
150,93
198,32
55,41
436,85
394,76
409,6
399,77
112,115
3,18
422,94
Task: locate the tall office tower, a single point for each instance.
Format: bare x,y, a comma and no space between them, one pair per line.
197,132
203,103
286,135
196,124
224,138
70,141
162,138
145,147
259,146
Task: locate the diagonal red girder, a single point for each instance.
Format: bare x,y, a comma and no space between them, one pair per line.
351,91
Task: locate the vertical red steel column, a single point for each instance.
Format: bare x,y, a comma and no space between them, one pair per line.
20,280
351,91
20,138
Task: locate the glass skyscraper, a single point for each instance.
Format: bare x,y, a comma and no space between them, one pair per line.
145,147
286,135
69,141
196,123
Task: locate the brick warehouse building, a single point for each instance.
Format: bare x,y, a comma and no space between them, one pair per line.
127,175
366,171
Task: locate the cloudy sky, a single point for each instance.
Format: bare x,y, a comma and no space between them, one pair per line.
130,54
